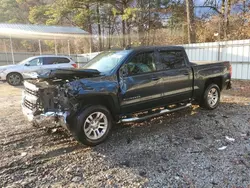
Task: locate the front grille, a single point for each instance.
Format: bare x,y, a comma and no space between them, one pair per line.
39,100
35,93
29,105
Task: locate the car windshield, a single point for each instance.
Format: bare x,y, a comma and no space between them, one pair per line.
25,61
105,62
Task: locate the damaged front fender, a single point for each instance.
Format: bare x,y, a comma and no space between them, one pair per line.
59,98
101,90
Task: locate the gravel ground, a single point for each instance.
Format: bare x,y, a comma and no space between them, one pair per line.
189,148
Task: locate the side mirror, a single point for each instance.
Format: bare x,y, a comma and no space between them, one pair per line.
27,64
124,71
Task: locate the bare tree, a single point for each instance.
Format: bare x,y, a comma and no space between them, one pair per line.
190,21
99,26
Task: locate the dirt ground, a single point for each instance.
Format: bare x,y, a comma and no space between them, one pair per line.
189,148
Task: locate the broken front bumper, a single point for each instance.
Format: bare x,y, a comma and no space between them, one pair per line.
48,119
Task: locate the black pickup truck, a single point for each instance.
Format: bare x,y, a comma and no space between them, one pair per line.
123,86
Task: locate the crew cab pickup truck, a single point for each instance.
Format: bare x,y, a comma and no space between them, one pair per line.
123,86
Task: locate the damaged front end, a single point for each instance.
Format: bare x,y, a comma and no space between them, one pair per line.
45,104
50,100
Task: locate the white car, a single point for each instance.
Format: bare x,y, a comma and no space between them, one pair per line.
15,74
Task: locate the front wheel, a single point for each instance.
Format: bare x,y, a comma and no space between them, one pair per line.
14,79
211,97
93,125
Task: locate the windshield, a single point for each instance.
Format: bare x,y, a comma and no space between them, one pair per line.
25,61
105,62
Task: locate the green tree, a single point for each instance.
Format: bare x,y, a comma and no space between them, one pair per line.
11,11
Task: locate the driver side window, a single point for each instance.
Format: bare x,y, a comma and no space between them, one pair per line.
34,62
141,63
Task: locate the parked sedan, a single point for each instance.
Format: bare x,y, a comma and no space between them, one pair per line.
15,74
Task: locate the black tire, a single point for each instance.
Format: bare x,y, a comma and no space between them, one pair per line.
211,97
80,121
14,79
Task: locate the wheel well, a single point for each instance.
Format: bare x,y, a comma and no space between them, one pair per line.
105,101
14,73
216,80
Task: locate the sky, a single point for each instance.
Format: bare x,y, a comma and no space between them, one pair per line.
200,11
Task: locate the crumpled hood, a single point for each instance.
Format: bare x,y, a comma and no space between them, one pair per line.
68,74
79,81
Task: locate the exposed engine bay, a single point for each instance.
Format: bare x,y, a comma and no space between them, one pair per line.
52,94
49,96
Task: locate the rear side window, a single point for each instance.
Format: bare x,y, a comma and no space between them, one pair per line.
55,60
50,60
171,59
63,60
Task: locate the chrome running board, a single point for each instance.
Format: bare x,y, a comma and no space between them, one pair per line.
133,119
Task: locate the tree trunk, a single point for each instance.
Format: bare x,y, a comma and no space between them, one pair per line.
109,32
99,27
103,35
128,32
227,18
223,19
140,25
149,22
112,30
89,28
190,21
123,33
124,6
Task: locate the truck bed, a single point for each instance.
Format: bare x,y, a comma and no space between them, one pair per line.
219,71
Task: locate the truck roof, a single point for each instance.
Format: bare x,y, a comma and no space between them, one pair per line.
153,47
142,48
51,55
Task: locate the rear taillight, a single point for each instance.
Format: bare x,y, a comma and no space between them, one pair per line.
230,70
74,65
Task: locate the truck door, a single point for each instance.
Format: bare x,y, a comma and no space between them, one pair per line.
140,87
177,76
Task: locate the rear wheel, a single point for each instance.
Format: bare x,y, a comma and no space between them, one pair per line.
93,125
14,79
211,97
